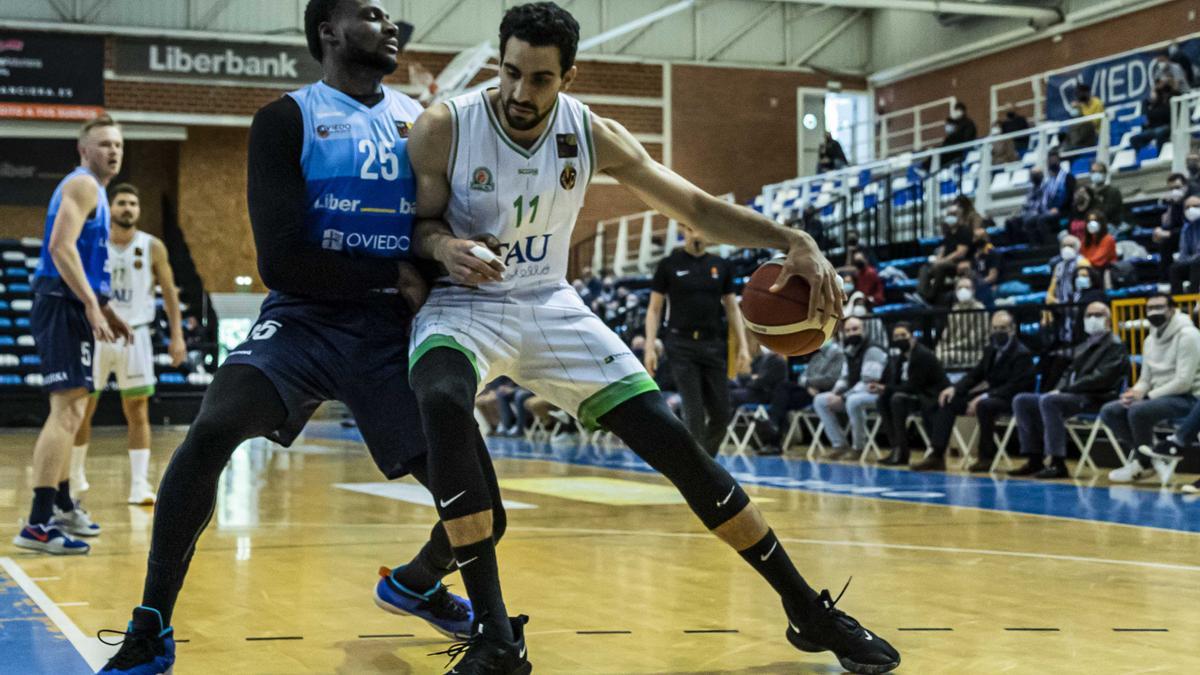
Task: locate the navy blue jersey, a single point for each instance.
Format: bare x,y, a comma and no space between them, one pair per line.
360,185
92,245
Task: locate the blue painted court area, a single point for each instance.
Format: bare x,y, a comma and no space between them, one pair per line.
29,640
1126,505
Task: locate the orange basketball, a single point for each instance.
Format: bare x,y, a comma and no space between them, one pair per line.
780,320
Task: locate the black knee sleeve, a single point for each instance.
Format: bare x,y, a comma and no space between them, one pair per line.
648,427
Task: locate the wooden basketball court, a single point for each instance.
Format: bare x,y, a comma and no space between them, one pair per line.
616,574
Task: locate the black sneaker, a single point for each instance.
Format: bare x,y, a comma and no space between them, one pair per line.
1164,449
1052,471
484,656
1032,467
827,628
148,647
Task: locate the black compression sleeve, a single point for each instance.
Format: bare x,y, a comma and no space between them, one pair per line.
277,199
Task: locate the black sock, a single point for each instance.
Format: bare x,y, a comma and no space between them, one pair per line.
63,499
43,505
423,572
481,575
768,558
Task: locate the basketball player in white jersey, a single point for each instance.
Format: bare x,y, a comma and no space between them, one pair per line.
511,167
138,262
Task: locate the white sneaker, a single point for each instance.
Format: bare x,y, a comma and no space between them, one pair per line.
1164,468
1130,473
1191,488
141,494
77,522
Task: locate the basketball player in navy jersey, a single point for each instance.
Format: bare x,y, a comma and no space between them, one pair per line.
71,312
514,163
332,204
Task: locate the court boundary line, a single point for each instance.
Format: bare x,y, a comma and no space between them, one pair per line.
91,649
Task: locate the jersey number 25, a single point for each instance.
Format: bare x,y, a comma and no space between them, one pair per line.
389,163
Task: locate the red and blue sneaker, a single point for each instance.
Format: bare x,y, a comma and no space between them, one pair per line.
50,538
148,647
448,613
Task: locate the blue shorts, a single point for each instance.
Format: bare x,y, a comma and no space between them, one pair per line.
354,353
64,342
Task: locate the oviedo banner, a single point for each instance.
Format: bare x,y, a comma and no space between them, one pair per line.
1121,79
51,76
205,60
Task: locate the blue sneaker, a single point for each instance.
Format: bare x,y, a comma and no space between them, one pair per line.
449,614
143,651
50,539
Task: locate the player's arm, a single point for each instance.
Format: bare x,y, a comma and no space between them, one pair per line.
277,198
164,276
429,146
733,314
654,313
79,198
621,156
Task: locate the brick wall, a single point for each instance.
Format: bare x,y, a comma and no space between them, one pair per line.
21,221
971,81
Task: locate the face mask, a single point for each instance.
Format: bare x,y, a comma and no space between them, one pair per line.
1093,226
1173,50
1192,213
963,294
1000,339
949,127
1176,194
1094,325
951,220
1068,253
1083,283
1053,166
956,114
847,286
860,263
1157,320
900,347
1098,178
995,131
858,310
853,341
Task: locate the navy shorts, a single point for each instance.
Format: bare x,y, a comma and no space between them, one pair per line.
64,342
354,353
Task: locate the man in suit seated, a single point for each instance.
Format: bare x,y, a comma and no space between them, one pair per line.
985,392
911,382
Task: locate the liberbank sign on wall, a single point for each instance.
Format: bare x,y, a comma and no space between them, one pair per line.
208,61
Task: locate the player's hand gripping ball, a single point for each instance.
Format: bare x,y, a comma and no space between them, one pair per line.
781,320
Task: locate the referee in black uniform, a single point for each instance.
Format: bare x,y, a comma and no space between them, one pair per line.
700,288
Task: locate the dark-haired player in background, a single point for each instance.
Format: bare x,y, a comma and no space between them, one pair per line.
514,164
331,199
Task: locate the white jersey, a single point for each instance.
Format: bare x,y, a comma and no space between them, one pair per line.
133,280
529,199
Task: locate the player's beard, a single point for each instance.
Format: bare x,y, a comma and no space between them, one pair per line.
127,224
518,125
383,63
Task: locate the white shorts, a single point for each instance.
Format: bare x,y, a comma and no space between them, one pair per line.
545,339
133,364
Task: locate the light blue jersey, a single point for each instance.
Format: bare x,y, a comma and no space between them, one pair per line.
92,245
361,189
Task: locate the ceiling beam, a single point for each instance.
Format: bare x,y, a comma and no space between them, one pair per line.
205,22
736,35
96,9
827,38
636,24
948,7
437,20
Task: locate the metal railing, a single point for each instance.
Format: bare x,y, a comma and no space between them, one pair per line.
626,252
1129,322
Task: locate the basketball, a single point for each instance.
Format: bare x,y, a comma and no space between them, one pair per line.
780,320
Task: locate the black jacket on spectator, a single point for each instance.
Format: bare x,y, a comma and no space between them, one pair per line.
1099,367
1007,372
1013,122
768,371
926,376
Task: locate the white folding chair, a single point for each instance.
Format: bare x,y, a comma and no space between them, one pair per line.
966,445
812,423
919,423
874,421
748,415
1090,424
1170,464
1009,426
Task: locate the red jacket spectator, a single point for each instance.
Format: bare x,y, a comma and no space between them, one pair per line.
1098,246
868,282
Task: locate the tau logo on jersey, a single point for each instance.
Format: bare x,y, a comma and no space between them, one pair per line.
331,202
481,180
568,176
529,249
327,130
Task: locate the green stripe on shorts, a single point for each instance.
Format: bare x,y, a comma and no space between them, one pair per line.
138,392
435,341
602,402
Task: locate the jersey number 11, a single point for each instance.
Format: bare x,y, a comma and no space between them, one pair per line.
519,204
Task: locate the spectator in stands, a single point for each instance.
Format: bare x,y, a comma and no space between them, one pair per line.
1084,134
768,371
1106,197
1176,54
1166,235
861,307
1012,123
911,382
1158,115
957,244
1098,367
1063,290
1166,388
488,405
830,155
959,129
1003,151
1193,170
863,367
820,374
809,220
1082,203
1046,203
866,279
984,266
985,392
1099,247
961,343
1187,265
1163,68
854,246
506,392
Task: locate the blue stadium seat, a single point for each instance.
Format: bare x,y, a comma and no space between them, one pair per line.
7,341
21,272
5,322
11,380
1147,153
22,322
31,360
20,288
